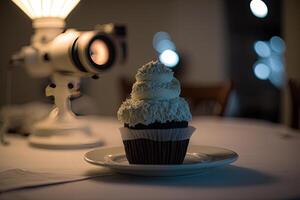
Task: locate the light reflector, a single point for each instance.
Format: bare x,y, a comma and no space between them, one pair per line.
46,8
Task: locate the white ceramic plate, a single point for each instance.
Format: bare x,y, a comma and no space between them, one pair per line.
198,159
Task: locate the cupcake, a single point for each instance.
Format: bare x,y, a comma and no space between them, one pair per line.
155,118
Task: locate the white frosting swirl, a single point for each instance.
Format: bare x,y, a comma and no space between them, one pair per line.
154,70
155,81
133,112
154,98
155,90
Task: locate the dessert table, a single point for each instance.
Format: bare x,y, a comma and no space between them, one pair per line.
268,166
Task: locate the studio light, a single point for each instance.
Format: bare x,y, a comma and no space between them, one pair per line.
46,8
65,56
259,8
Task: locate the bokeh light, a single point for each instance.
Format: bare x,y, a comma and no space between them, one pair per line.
169,58
276,63
259,8
271,56
163,45
277,44
159,36
262,71
166,49
276,79
262,49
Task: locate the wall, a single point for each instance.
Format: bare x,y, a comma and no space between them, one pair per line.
291,31
197,28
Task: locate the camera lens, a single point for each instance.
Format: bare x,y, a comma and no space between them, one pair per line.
99,52
93,52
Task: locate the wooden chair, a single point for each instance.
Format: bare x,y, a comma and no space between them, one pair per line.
207,100
203,100
294,86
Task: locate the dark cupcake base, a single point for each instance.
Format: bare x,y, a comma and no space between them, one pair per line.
144,151
158,125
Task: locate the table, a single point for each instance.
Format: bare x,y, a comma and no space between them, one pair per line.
268,166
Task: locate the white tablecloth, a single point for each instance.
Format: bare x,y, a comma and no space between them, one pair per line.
268,166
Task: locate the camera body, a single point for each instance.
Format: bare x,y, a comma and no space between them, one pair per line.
77,53
81,53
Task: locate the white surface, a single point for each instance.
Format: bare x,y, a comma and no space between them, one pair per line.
75,139
268,166
198,159
16,179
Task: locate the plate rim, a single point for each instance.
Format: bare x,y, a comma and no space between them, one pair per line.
232,159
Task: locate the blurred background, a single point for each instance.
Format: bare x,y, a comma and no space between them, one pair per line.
254,48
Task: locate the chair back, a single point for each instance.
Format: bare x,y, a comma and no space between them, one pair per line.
294,86
207,100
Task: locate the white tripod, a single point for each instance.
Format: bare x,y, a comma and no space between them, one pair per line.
61,128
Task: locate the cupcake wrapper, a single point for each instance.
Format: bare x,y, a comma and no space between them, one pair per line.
157,134
156,146
144,151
